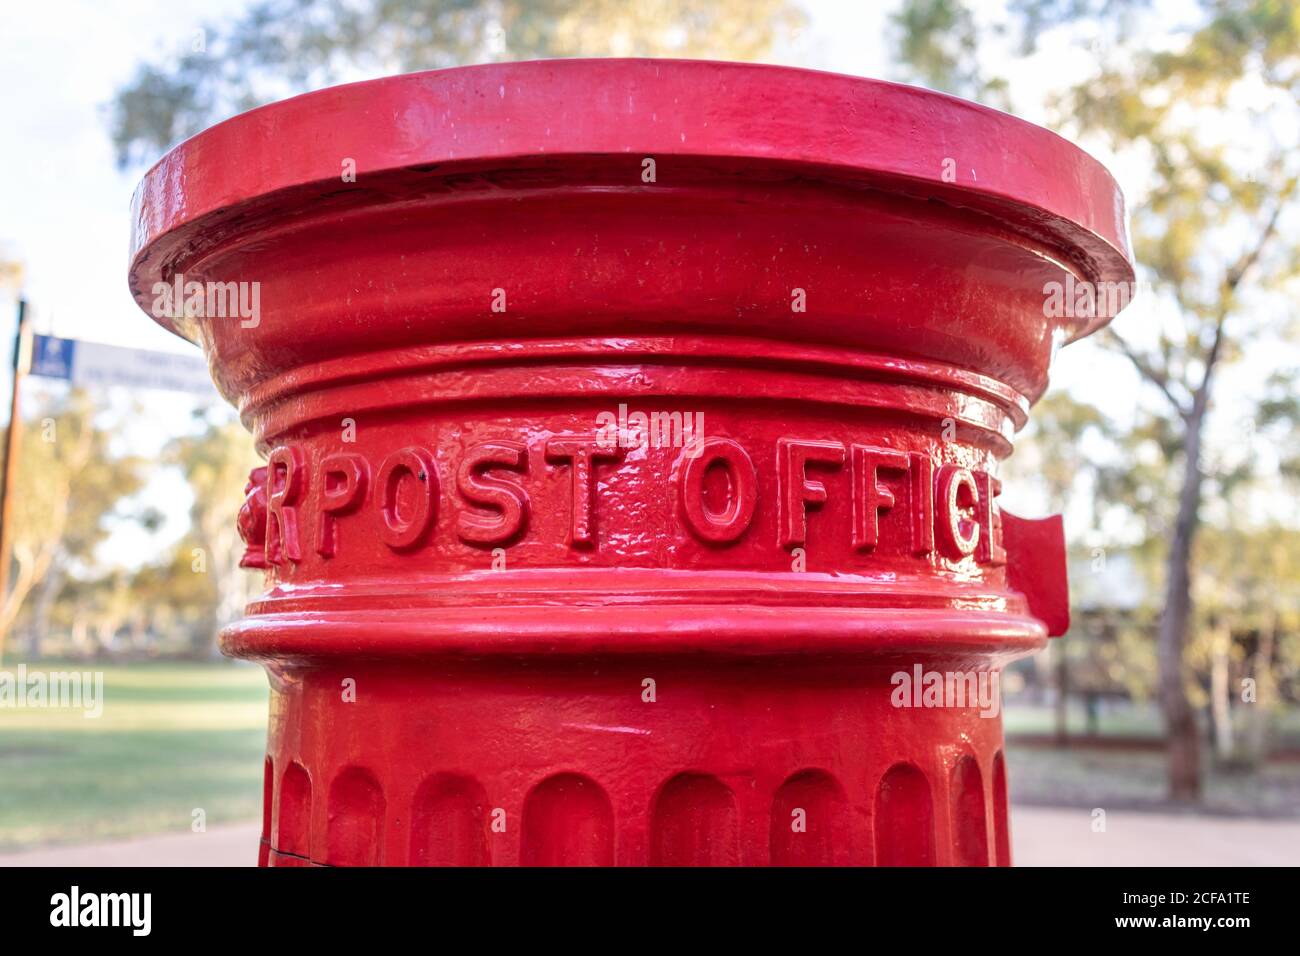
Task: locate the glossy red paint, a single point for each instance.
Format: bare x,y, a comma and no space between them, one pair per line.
631,431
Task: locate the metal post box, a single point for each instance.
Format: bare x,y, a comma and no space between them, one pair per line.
632,433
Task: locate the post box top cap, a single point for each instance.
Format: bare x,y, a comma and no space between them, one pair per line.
915,142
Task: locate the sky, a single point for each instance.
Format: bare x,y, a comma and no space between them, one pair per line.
64,208
64,204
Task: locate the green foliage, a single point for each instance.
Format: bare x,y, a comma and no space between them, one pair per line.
70,483
938,42
201,587
70,487
1057,452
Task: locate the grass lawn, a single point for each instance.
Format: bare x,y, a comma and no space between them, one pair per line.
172,738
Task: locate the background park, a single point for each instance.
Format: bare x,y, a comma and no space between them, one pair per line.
1170,444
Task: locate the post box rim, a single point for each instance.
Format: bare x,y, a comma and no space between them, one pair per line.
296,145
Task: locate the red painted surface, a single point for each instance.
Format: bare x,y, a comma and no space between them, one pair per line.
497,637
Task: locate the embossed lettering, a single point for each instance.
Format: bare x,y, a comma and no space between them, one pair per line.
958,534
399,531
284,476
726,526
951,508
507,499
344,479
580,454
796,491
870,497
922,497
990,547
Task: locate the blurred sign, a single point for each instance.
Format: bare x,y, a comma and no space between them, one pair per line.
93,363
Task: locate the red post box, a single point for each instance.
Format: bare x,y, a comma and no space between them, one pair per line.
632,432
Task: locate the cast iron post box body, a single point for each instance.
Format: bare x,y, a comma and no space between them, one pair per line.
632,430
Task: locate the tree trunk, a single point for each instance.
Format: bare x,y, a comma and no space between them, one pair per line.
1180,720
1260,709
43,609
1062,695
1221,693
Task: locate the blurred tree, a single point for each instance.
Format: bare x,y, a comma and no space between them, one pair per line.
179,606
1055,456
216,463
11,272
939,44
1059,456
1248,593
282,47
1249,577
1213,227
69,483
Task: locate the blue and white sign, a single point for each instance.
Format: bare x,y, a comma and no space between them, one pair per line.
52,357
93,363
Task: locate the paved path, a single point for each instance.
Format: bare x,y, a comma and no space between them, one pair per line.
1041,837
220,846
